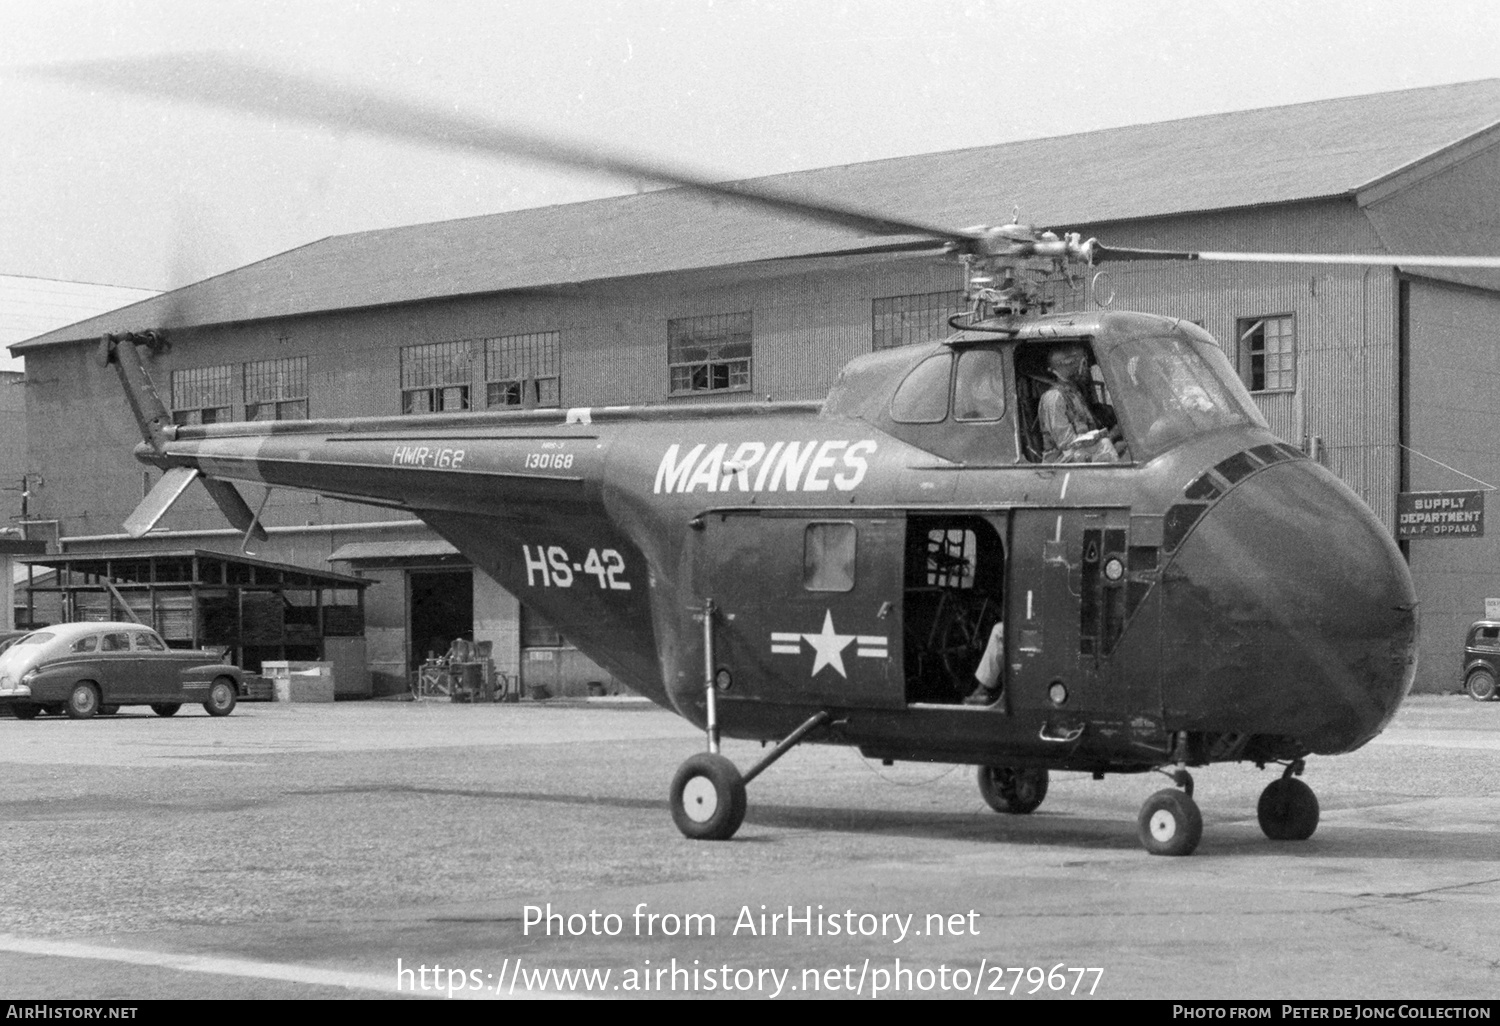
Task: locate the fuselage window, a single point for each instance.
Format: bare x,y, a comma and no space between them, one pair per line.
828,557
950,557
923,397
979,386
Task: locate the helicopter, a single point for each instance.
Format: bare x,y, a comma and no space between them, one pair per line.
831,572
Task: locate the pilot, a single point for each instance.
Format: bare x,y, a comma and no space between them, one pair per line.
988,671
1071,431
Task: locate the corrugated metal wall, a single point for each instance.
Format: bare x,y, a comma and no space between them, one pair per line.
1455,379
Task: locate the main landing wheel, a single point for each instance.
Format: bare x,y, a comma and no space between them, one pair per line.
1288,810
1008,789
1170,823
1480,685
708,798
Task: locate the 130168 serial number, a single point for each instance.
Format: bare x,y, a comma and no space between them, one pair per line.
550,566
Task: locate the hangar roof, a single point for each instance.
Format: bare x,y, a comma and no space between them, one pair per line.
1328,148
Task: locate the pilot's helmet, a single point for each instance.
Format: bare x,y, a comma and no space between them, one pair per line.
1067,361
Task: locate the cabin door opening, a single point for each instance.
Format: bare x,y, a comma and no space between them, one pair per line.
441,608
954,594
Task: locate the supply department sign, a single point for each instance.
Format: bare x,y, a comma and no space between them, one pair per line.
1439,515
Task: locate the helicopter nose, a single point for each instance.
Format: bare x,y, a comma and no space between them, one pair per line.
1288,612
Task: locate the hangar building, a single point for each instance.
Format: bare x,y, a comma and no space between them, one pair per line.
1386,375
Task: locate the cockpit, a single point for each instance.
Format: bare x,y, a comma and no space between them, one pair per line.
1089,398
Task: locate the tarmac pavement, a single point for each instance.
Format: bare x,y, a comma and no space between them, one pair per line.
386,849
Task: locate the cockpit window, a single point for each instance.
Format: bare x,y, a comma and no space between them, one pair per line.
923,397
979,385
1169,389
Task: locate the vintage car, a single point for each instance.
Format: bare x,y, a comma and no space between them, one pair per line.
88,668
9,638
1482,660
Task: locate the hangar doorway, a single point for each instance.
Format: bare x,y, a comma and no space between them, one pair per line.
441,605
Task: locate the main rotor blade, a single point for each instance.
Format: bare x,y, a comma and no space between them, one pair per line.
231,83
1104,253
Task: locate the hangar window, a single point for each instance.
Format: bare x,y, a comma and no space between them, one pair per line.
906,320
435,377
709,354
276,389
203,395
1268,353
523,370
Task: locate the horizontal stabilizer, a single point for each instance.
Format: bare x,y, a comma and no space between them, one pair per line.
155,505
233,506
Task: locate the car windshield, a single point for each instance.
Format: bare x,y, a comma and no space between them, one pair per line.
1167,390
35,638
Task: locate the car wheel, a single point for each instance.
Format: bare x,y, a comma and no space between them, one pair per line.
83,703
165,708
25,710
108,710
1007,789
708,798
221,697
1480,685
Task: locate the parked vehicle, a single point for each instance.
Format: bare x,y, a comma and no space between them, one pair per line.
9,638
84,669
1482,660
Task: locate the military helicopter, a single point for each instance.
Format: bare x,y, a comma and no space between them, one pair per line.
831,572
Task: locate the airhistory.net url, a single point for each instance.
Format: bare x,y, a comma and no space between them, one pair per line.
897,976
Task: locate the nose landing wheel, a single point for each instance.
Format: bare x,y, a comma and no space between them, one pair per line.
1170,823
1287,810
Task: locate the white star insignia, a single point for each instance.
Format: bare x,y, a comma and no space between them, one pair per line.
829,646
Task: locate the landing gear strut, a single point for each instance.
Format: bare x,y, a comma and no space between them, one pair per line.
708,791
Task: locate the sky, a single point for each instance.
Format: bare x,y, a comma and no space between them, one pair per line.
114,189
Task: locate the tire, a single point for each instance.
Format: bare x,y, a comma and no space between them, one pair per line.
25,710
1287,810
83,702
1170,823
1480,685
221,697
708,798
165,708
1012,790
108,710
